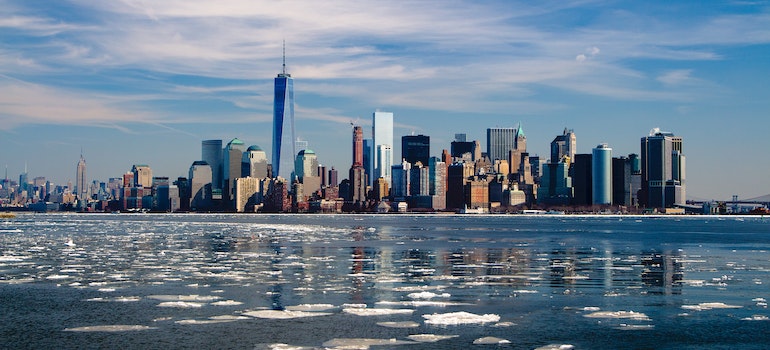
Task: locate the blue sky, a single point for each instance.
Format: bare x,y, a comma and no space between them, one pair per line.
145,81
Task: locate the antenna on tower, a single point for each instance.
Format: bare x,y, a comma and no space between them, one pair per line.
284,56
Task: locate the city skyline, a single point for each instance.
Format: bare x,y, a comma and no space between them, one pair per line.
146,83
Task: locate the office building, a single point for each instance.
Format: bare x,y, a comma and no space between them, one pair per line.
142,175
358,146
555,185
419,184
662,170
80,179
211,153
466,150
283,123
601,175
437,177
368,153
563,147
254,162
333,177
248,193
382,139
500,141
231,166
626,180
201,183
415,148
401,180
582,179
305,169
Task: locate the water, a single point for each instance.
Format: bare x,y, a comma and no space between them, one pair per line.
389,281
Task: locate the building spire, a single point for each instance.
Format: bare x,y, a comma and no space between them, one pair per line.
284,56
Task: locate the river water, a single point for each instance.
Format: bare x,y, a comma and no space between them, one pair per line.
383,281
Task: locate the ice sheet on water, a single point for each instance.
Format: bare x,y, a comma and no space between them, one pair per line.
404,324
428,295
619,315
491,341
377,312
227,303
110,328
363,343
191,297
311,307
283,314
213,320
121,299
556,347
710,306
181,304
756,318
419,303
430,338
460,318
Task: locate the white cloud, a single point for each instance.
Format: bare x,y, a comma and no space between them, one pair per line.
676,77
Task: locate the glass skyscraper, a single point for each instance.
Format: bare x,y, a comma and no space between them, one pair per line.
211,153
601,174
283,124
663,170
382,136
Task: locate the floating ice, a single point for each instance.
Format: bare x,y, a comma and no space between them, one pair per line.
709,306
757,318
57,277
310,307
619,315
226,303
430,338
404,324
282,346
490,341
458,318
109,328
192,297
503,324
363,343
106,290
625,326
213,320
556,347
428,295
377,312
283,315
180,304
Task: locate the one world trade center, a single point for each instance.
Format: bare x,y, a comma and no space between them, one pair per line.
283,122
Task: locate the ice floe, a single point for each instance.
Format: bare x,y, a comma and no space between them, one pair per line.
227,303
556,347
363,343
430,338
491,341
418,303
377,312
404,324
213,320
619,315
283,314
311,307
756,318
427,295
110,328
460,318
710,306
192,297
181,304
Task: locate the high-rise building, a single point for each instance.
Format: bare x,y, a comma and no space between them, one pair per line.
231,165
582,179
142,175
419,184
401,180
358,146
564,147
80,179
211,153
415,148
663,170
368,154
626,180
283,123
247,193
437,177
471,150
601,175
333,177
555,185
500,141
382,143
255,162
306,171
200,176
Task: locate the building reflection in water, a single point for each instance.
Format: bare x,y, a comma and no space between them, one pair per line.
663,272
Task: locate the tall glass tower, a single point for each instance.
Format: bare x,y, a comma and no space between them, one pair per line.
80,185
211,153
283,123
601,174
382,139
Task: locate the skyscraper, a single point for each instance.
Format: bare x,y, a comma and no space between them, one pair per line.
142,175
663,170
382,138
306,164
564,146
200,185
415,148
601,174
211,153
283,123
80,179
232,154
255,160
358,146
500,141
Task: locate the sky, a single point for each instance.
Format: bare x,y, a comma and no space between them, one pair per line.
144,82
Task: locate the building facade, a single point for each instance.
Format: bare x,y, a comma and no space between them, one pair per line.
211,153
283,124
415,148
662,170
601,175
382,143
